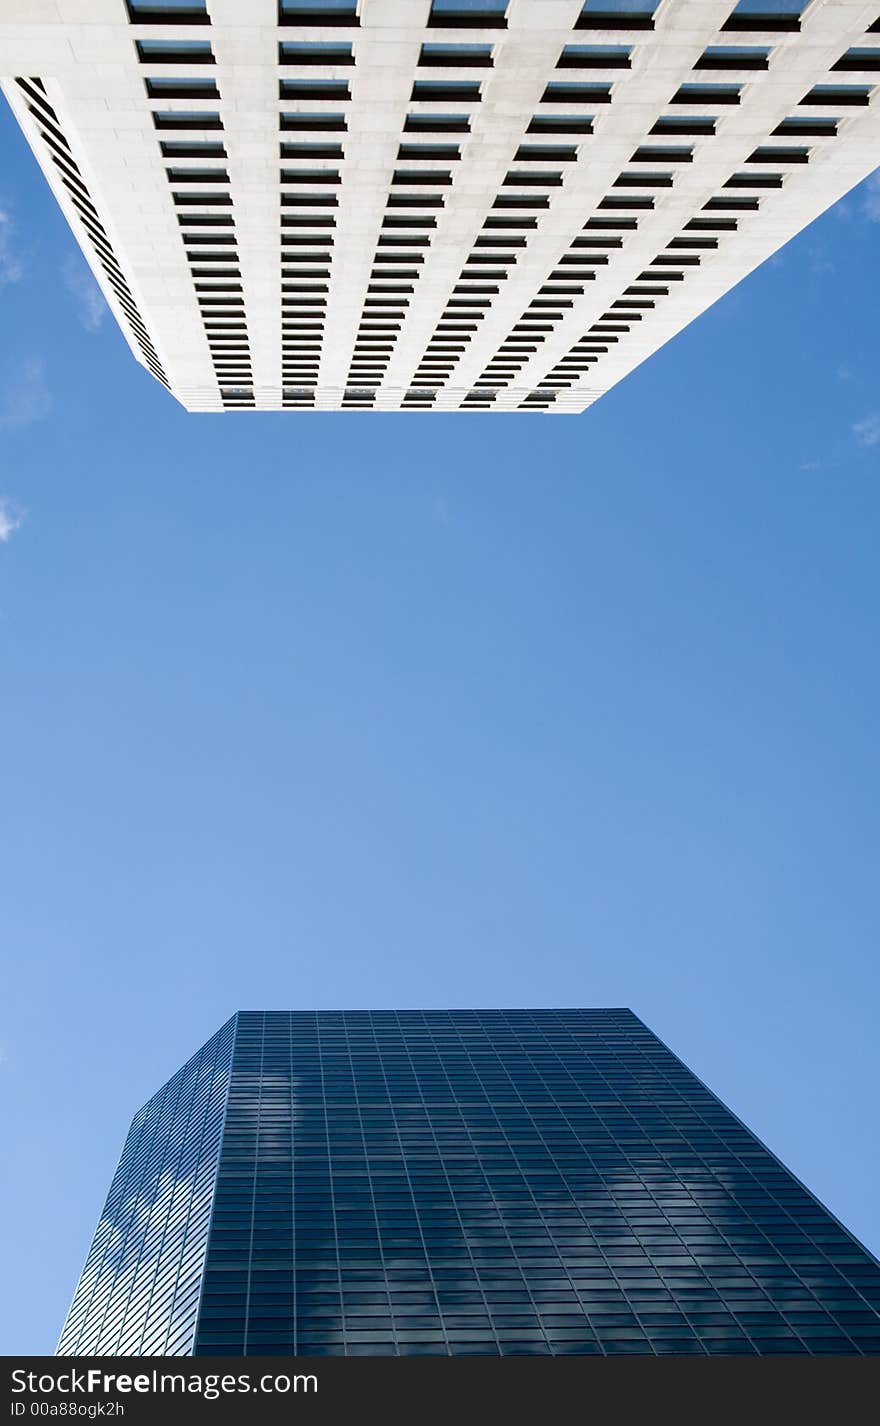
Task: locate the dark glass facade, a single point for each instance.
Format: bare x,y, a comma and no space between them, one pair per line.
139,1290
464,1182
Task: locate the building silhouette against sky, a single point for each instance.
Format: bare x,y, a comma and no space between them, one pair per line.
458,1182
433,204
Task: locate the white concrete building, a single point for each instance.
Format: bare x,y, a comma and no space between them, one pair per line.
433,204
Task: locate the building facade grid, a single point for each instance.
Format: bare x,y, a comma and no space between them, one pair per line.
514,1182
434,204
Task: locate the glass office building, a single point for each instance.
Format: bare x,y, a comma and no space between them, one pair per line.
458,1182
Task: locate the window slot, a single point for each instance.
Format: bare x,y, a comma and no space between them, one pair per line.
314,89
305,53
431,90
617,15
317,12
777,15
707,94
468,14
456,56
560,93
859,61
304,122
174,52
185,12
595,57
561,124
833,94
734,57
196,87
191,119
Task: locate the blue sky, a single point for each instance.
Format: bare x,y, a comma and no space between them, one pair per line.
378,710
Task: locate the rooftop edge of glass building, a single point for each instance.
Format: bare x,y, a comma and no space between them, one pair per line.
458,1182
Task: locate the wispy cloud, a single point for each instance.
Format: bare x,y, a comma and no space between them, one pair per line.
818,257
24,396
867,432
10,520
871,202
440,512
11,267
88,298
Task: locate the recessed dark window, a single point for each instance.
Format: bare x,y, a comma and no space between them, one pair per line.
617,15
309,199
707,94
168,12
314,89
214,199
457,56
734,57
191,119
781,15
560,93
653,153
769,154
820,127
174,52
474,14
685,124
192,148
311,150
615,225
711,225
437,123
197,175
730,204
500,242
549,178
429,151
521,200
643,180
859,60
305,53
420,176
206,220
310,175
317,12
195,87
203,240
546,153
303,122
848,94
433,89
612,202
561,124
756,179
409,222
595,57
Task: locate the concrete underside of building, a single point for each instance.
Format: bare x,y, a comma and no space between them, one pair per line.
397,205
